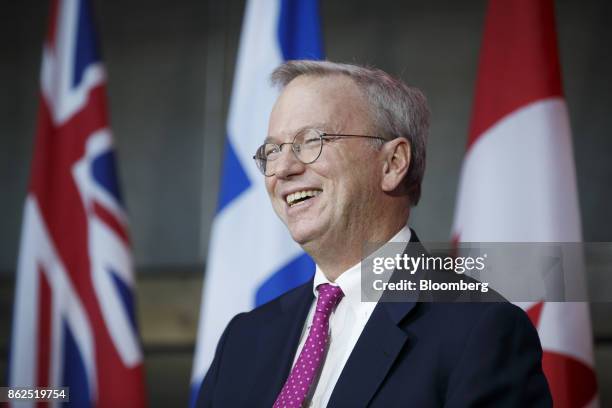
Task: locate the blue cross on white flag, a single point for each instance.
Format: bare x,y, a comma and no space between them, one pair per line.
251,258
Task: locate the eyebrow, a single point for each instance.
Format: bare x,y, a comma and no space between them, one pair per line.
316,126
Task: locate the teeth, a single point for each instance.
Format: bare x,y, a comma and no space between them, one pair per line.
293,197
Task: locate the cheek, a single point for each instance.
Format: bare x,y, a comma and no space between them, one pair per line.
269,183
362,184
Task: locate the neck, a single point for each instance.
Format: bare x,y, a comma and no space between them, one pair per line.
335,258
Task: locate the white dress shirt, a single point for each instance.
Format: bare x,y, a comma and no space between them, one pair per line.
345,325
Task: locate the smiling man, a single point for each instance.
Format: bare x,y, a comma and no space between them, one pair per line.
343,163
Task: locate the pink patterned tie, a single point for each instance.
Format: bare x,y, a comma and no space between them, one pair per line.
306,367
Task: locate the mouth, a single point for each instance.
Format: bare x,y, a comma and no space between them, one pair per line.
301,196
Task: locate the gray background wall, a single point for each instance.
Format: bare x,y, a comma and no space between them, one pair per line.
170,67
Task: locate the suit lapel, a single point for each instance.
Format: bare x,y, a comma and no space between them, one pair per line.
377,348
277,343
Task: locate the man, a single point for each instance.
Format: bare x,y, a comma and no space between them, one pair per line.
344,159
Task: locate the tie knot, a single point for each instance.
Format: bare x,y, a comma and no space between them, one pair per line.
329,296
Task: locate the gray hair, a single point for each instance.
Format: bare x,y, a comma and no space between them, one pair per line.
397,109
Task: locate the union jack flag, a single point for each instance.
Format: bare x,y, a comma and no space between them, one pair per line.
74,323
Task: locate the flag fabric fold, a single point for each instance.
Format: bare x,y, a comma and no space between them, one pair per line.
518,181
252,258
74,321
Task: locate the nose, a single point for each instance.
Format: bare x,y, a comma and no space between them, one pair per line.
287,164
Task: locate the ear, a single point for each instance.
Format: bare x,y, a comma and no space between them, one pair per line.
396,156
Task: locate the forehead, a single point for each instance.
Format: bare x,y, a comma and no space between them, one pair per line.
331,103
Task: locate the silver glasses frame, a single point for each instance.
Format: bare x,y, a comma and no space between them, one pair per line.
260,160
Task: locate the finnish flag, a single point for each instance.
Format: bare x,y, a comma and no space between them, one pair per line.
252,258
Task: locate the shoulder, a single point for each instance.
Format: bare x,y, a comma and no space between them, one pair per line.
486,332
457,328
498,314
474,310
463,317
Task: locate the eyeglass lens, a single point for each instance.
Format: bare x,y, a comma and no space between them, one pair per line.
306,147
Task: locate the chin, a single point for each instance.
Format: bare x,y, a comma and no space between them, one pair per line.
299,237
302,235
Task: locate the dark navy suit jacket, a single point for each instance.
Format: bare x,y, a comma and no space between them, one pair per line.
410,354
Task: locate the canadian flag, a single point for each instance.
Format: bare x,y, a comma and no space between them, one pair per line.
518,181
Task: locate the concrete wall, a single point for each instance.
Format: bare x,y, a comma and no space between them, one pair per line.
170,67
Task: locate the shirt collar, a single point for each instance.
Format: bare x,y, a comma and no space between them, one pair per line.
350,280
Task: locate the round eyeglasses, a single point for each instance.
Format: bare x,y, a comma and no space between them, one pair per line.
306,146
